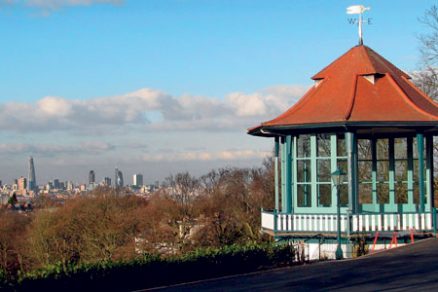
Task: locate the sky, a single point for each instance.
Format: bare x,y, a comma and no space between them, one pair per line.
162,86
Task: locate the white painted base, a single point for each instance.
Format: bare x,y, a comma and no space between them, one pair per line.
327,250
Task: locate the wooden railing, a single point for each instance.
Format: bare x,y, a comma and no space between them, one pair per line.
357,223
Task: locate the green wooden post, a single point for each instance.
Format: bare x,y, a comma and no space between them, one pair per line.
420,148
429,173
434,221
392,201
283,173
333,167
288,201
355,175
275,213
374,173
294,174
432,176
313,173
349,138
276,178
410,174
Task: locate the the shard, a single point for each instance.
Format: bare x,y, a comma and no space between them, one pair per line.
32,185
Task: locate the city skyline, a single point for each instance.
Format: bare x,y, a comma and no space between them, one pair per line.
160,87
29,183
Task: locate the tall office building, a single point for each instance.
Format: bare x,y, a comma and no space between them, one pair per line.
107,181
22,184
32,185
118,182
56,184
91,177
137,180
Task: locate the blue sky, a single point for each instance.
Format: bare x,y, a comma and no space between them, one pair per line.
160,86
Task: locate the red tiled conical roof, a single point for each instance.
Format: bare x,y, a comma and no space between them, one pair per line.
359,87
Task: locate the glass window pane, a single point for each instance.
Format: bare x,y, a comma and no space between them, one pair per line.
343,166
383,171
382,146
382,193
304,195
365,194
415,170
416,193
414,147
340,145
343,191
324,145
364,149
400,148
303,171
324,195
401,170
324,170
401,193
303,146
365,171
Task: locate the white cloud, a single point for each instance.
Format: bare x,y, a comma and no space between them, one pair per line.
149,109
227,155
54,107
247,105
87,147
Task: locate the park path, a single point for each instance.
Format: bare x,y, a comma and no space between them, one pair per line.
412,267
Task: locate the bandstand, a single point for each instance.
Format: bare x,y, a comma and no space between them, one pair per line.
363,117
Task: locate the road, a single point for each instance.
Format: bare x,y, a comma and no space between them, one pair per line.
401,269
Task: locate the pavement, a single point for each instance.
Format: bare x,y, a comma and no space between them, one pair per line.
407,268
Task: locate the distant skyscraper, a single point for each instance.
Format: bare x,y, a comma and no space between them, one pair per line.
118,182
91,177
137,180
56,184
32,184
69,185
22,184
107,181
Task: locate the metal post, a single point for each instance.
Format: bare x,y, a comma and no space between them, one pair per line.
339,253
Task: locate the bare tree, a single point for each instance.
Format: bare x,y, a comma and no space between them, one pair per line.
183,189
429,41
427,78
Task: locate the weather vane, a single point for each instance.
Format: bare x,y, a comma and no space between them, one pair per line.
358,9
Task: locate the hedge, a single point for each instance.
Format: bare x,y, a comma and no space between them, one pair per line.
153,271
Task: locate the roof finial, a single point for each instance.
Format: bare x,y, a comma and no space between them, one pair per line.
358,9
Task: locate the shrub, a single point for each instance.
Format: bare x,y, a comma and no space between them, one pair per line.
152,271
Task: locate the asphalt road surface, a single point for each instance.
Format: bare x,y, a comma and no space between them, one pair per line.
412,267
